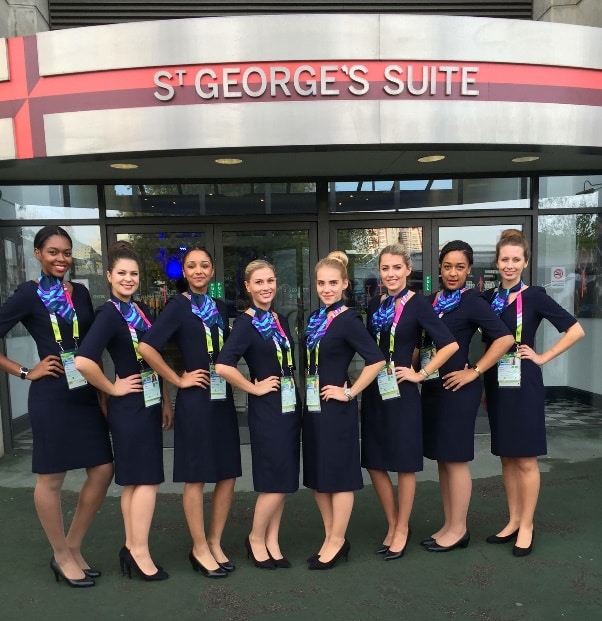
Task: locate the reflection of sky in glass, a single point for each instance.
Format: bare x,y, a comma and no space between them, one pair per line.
387,186
123,190
477,236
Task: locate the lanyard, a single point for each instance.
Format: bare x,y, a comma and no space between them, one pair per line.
132,330
208,337
55,324
396,318
336,312
287,346
519,317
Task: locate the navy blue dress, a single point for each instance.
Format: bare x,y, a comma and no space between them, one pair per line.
449,417
68,427
135,429
331,447
392,429
517,414
206,439
275,437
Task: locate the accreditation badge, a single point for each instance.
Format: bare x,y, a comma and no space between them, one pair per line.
150,387
426,355
218,385
312,393
508,371
387,382
288,396
74,378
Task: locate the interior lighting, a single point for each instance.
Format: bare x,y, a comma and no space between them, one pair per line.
526,158
226,161
123,166
427,159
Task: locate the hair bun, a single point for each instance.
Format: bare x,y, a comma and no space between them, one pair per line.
338,255
507,233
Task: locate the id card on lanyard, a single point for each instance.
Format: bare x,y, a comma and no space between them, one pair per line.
388,387
151,388
312,382
74,378
508,367
288,394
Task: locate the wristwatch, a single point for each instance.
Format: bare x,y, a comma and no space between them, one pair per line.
348,394
24,371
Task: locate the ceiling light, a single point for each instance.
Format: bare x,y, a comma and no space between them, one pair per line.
228,160
526,158
124,166
431,158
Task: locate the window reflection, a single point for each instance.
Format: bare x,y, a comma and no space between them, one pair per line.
48,202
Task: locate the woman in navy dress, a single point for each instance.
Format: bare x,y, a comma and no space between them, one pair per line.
331,452
392,414
206,439
450,404
263,338
517,412
136,416
68,427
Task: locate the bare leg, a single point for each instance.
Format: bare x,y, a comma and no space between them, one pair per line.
267,505
460,489
271,535
324,502
342,505
47,499
141,509
511,477
384,490
445,499
126,501
192,500
220,509
528,470
406,490
90,499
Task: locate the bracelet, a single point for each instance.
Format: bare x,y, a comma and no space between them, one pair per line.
476,368
423,372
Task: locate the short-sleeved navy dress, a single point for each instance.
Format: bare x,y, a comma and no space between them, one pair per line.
68,427
449,417
517,414
275,437
331,447
206,439
135,429
392,429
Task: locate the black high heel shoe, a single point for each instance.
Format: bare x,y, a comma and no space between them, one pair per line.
267,564
461,543
342,553
209,573
280,563
80,583
391,556
427,541
130,563
516,551
382,550
505,539
228,566
122,556
92,572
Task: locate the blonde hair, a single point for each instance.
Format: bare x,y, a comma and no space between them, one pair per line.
337,260
513,237
399,250
257,264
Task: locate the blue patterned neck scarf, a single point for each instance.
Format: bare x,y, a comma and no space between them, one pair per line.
383,317
448,300
205,309
500,298
318,323
265,324
52,294
131,315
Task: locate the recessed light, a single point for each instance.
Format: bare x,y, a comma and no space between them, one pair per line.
228,160
526,158
124,166
431,158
